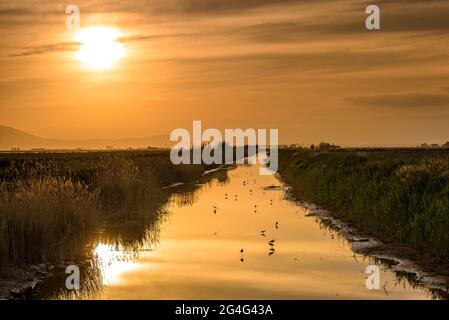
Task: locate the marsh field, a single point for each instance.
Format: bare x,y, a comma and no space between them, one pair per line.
140,227
53,203
398,195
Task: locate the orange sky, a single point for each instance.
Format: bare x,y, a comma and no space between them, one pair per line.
306,67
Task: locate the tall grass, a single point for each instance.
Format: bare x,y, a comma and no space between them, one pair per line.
126,189
50,206
403,200
43,218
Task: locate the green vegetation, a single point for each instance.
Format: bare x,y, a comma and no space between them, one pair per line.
399,196
51,203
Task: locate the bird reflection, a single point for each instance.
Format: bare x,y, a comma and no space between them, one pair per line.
271,244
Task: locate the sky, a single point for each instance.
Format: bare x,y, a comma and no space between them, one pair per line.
309,68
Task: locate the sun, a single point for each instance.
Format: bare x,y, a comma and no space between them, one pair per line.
99,49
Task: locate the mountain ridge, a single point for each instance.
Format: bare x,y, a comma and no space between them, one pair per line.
14,138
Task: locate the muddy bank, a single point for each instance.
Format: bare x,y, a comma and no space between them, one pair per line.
25,281
404,200
397,205
414,265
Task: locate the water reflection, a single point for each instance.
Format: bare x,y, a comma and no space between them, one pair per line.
115,260
185,198
117,246
234,236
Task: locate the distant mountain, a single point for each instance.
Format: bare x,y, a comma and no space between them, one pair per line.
13,138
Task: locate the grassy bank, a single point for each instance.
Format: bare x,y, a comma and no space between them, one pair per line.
397,196
50,203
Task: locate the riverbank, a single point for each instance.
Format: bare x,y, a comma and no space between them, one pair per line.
52,204
398,197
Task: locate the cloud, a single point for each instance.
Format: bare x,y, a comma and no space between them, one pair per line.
139,37
31,8
74,45
185,7
404,100
154,7
324,16
215,6
297,30
405,17
336,61
15,11
47,48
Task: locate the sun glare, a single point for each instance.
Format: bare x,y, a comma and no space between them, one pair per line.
99,49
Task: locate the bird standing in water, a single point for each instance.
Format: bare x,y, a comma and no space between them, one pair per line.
272,251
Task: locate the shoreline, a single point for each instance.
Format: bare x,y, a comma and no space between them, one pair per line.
397,202
400,259
25,282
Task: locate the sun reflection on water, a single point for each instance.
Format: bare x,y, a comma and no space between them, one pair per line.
114,261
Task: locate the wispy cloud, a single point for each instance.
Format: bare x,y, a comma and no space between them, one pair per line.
409,100
15,11
47,48
306,58
139,37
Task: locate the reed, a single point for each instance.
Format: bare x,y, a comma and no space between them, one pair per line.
43,218
51,203
399,199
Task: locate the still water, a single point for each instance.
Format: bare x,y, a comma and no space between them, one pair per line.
213,243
